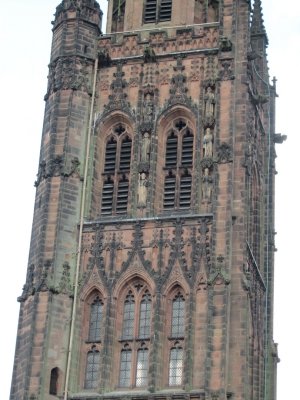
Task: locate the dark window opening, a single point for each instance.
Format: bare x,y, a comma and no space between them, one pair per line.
125,155
185,191
169,192
150,11
110,156
54,381
157,11
179,156
115,184
107,196
122,198
187,149
165,11
171,152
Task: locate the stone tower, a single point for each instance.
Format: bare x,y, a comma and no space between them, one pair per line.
150,271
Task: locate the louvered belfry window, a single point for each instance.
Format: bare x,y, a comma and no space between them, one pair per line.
157,11
135,337
116,172
178,167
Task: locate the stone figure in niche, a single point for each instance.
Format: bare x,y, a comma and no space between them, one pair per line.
142,189
206,185
148,108
145,150
209,102
213,11
208,143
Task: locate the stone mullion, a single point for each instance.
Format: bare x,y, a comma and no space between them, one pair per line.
208,360
156,358
189,341
108,358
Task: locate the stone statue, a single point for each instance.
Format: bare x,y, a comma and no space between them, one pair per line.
206,185
207,143
209,103
142,189
148,108
145,150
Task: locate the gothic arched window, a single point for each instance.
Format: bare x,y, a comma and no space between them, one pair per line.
178,167
92,371
54,381
176,366
142,366
176,338
178,316
96,316
135,337
116,172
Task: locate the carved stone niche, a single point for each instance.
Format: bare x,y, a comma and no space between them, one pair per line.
207,180
209,103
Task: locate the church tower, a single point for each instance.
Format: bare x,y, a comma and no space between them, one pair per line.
150,272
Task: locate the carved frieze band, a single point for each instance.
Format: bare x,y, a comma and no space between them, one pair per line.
69,73
57,167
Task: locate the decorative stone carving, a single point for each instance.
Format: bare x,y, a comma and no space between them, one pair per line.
226,69
28,288
225,44
56,167
218,274
104,58
145,148
213,10
208,143
118,98
69,73
224,153
207,185
42,284
149,55
209,98
65,286
178,88
142,189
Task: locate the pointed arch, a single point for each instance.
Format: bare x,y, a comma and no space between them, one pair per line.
176,158
135,271
174,280
134,299
112,160
55,381
175,334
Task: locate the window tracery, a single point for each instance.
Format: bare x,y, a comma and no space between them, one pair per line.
92,372
176,338
116,171
178,167
135,336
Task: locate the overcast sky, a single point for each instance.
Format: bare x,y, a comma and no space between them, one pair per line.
25,39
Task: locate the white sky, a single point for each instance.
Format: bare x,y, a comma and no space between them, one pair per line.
25,39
